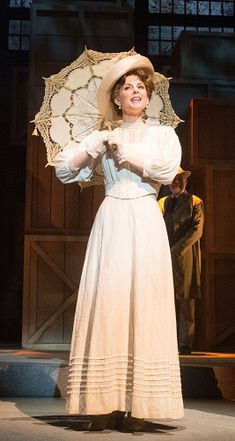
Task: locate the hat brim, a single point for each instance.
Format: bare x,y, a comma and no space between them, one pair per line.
186,173
113,75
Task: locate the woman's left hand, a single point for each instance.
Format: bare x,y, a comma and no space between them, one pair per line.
121,153
116,149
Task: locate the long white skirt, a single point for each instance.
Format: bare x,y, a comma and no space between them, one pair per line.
124,353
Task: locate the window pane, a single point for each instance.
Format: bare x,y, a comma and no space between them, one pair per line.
26,3
166,6
25,27
216,8
190,28
154,6
14,26
15,3
229,30
166,47
153,47
203,8
20,3
25,43
153,32
177,31
14,42
179,6
191,7
166,32
216,29
228,8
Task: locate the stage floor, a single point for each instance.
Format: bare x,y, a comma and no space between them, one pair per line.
30,419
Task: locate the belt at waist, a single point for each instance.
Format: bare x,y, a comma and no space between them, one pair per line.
129,190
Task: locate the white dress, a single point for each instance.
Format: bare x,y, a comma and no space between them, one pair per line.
124,353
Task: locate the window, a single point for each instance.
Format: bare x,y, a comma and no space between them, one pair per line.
19,25
18,35
20,3
193,7
174,16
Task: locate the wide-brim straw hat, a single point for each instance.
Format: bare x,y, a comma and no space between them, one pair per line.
186,173
113,75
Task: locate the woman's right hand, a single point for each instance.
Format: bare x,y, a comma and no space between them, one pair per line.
97,143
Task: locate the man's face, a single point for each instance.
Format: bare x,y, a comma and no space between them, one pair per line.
178,185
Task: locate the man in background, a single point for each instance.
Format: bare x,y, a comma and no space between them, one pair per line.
184,217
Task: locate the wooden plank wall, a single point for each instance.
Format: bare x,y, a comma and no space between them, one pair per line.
211,137
58,218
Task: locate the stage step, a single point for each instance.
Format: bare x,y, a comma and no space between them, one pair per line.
25,373
33,374
208,375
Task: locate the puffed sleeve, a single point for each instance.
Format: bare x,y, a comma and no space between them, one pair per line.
163,159
64,160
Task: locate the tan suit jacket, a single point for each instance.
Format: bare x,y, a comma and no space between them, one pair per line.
184,225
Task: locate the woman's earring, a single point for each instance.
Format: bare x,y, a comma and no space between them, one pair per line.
119,107
145,116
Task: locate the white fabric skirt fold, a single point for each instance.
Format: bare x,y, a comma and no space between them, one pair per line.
124,353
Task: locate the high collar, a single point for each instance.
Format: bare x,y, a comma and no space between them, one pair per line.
132,125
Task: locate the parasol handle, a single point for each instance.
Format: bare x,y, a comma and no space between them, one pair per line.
109,126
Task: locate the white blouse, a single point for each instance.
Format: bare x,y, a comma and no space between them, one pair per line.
156,147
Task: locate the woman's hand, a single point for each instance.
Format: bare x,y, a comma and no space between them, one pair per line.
92,147
97,146
116,149
123,155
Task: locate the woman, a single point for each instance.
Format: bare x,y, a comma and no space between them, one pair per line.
124,358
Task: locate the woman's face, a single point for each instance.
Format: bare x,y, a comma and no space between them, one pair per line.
132,96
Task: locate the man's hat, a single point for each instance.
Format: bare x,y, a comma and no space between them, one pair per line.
186,173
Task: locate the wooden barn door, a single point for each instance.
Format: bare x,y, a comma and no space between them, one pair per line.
211,156
59,217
